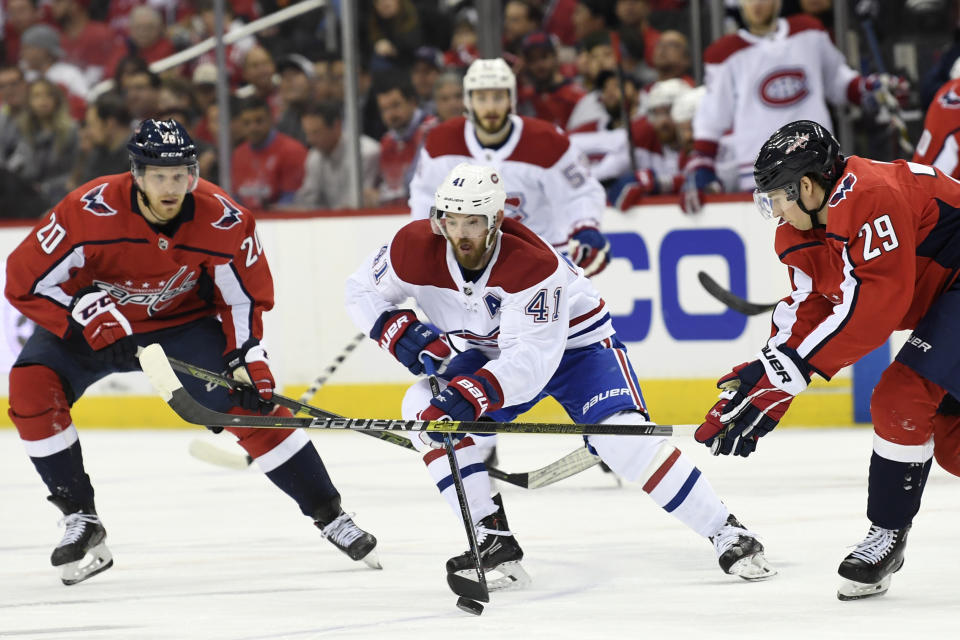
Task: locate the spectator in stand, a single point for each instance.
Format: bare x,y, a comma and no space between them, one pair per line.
86,43
775,71
176,94
671,57
392,33
107,129
204,82
599,138
637,38
258,73
296,92
939,144
209,164
599,56
13,102
141,93
325,178
463,43
593,16
48,143
407,125
267,169
520,19
20,16
427,63
547,95
448,96
206,26
658,155
558,20
146,38
40,57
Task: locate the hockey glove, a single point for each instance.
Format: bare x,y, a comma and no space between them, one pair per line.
105,328
589,249
699,177
751,404
400,333
249,364
630,190
465,399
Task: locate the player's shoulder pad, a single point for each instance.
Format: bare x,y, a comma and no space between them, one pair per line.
862,188
447,139
524,260
103,197
803,22
214,206
644,135
723,48
540,143
419,256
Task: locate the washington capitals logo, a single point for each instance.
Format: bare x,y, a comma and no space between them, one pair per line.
950,100
231,214
799,142
845,187
94,203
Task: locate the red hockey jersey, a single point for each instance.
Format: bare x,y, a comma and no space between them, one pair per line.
207,262
890,248
939,144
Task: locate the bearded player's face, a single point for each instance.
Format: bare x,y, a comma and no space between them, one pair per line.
490,108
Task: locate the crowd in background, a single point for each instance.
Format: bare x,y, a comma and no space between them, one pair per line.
584,65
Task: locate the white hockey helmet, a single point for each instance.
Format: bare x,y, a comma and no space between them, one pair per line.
489,73
470,189
664,93
685,106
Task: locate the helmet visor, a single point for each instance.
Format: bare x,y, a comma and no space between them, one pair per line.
769,203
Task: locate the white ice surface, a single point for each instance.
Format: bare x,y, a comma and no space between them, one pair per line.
207,553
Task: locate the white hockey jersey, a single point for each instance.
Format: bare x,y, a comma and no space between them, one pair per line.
548,183
529,305
757,84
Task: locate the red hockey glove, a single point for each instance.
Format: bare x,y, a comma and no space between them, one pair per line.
400,333
465,399
699,177
589,250
105,328
250,365
751,404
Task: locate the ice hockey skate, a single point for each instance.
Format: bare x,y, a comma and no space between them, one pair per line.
345,535
869,567
740,553
84,539
499,553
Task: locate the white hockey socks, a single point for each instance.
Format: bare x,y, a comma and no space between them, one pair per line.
476,482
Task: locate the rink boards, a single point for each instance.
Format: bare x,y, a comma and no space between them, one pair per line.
679,338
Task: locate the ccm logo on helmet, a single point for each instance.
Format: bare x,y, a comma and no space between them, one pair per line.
784,87
777,366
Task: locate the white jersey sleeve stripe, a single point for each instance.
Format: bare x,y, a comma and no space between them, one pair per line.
236,297
850,289
49,285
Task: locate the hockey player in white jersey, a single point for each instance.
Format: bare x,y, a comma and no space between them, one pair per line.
774,71
551,189
525,324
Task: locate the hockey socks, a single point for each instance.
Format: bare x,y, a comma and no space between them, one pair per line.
476,482
296,468
681,490
898,474
64,475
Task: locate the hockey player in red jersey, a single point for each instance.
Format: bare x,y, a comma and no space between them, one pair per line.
525,324
551,189
153,255
870,247
939,144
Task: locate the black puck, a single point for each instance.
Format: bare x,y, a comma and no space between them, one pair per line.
470,606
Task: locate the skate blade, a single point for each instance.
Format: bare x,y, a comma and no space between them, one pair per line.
753,568
506,576
852,590
100,560
372,560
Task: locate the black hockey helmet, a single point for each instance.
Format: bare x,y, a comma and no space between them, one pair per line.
163,143
798,149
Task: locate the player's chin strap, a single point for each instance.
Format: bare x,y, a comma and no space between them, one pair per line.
813,213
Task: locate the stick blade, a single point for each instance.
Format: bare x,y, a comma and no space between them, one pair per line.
468,588
153,361
730,299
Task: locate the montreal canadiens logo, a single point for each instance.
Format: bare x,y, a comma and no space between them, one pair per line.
784,87
845,187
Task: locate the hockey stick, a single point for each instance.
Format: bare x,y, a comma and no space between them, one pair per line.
155,364
463,587
889,106
731,299
321,379
571,464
